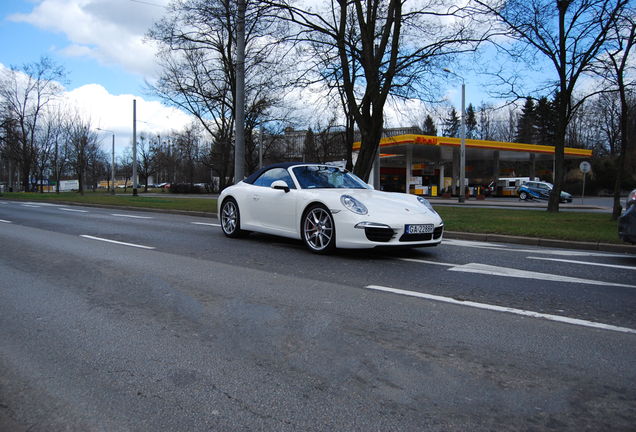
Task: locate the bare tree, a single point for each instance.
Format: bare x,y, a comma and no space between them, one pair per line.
125,166
25,93
326,144
198,42
379,49
188,146
83,144
570,35
617,64
146,154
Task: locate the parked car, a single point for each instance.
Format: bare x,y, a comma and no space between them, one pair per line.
539,190
326,207
631,199
627,222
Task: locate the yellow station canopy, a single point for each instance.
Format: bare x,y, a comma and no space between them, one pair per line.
430,148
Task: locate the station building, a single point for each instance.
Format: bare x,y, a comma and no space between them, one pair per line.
415,163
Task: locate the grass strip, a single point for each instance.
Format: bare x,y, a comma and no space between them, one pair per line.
155,201
564,225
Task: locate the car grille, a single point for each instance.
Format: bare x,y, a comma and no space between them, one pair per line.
437,233
379,234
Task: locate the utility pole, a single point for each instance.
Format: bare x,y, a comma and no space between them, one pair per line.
239,144
134,161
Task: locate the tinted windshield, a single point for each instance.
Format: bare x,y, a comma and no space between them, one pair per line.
310,177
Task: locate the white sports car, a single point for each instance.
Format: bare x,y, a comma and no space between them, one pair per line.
327,207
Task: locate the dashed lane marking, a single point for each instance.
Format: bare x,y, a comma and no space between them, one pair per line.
116,242
74,210
133,217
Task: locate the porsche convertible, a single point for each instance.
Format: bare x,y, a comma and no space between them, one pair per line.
327,208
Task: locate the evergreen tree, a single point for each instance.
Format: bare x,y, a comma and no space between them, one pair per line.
452,124
526,126
471,122
429,126
545,122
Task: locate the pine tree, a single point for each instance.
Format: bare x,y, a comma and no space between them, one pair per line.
452,124
471,122
526,126
545,123
429,126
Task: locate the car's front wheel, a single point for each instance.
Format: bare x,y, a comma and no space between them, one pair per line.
523,195
319,231
231,219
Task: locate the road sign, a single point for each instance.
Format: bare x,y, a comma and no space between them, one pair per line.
585,167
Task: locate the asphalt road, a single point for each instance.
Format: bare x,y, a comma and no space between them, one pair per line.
175,327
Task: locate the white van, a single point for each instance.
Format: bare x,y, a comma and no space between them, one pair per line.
508,185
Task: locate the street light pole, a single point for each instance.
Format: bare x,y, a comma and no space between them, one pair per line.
112,166
462,153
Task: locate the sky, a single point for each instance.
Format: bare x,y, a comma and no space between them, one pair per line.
100,43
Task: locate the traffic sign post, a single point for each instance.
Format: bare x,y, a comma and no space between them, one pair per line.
585,167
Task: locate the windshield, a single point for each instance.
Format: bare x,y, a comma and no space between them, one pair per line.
310,177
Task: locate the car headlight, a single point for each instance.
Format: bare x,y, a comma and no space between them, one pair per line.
353,205
426,204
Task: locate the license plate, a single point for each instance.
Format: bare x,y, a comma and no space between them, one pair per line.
419,229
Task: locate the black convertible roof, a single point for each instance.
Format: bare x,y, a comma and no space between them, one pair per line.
252,178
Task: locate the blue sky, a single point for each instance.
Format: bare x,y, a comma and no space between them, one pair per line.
78,36
100,43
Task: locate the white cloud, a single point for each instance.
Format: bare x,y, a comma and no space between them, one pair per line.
110,31
115,113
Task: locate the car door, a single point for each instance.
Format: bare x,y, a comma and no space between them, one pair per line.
275,209
544,191
533,189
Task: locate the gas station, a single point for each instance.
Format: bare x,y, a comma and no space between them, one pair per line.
415,163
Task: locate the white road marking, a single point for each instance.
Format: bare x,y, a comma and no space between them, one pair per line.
4,221
537,249
48,204
117,242
73,210
131,216
426,262
504,309
29,205
509,272
203,223
584,263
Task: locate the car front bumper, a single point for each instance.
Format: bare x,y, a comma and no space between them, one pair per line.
354,232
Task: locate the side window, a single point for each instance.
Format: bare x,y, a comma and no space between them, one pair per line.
269,177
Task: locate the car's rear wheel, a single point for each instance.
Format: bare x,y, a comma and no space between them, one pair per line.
318,229
231,219
523,195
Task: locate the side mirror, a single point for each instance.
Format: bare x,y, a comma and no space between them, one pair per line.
370,186
280,185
